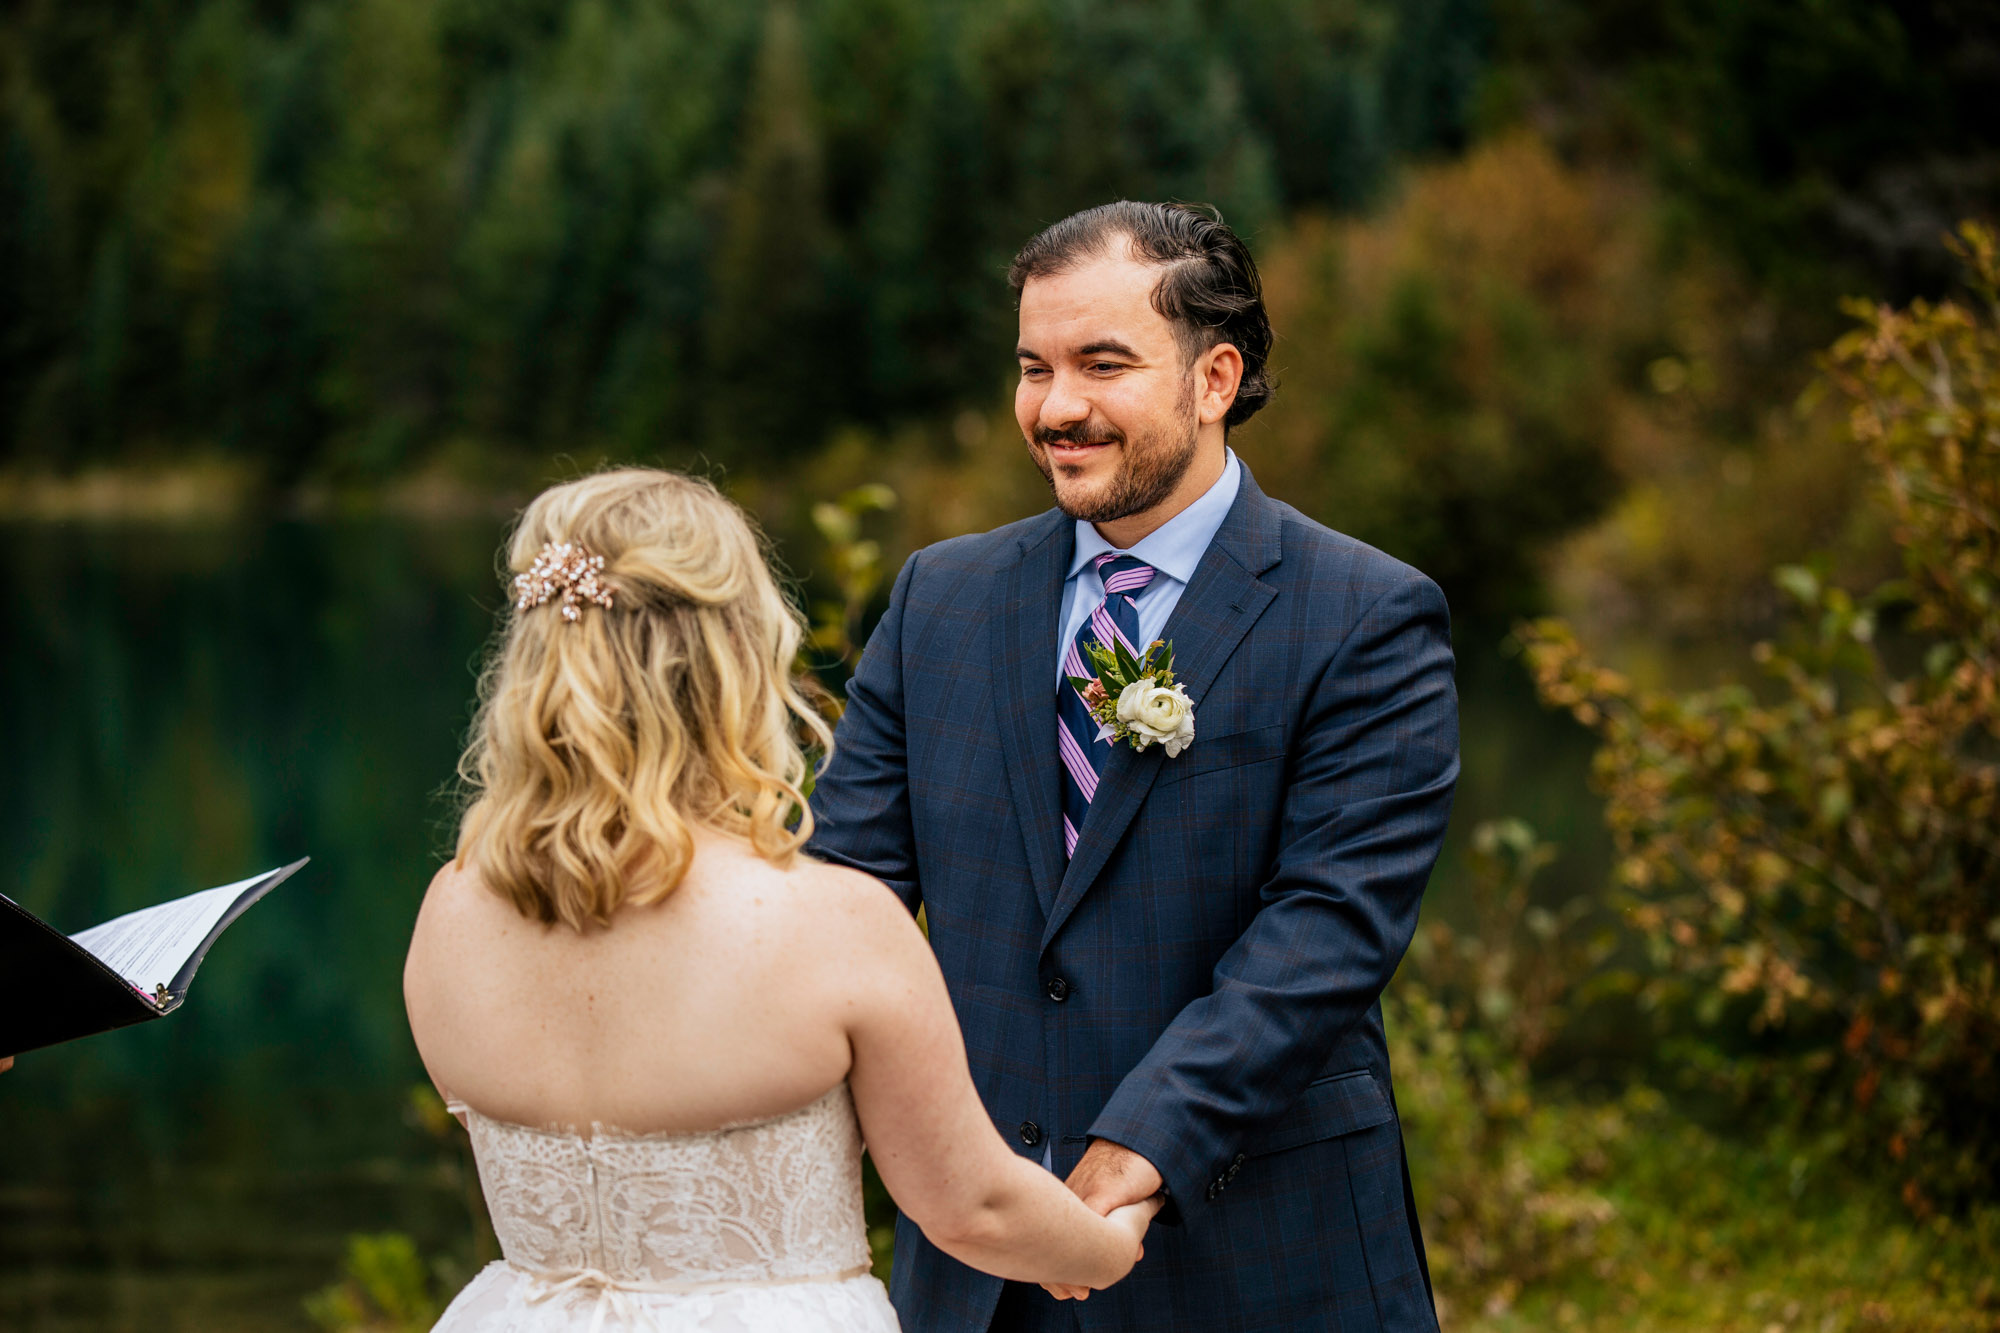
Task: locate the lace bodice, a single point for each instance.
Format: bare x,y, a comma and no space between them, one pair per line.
776,1201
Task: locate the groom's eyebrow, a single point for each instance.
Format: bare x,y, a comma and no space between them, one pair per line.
1107,346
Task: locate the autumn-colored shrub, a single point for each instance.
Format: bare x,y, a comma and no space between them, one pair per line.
1449,367
1818,864
1509,1181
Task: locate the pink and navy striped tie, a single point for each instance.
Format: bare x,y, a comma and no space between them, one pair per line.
1116,618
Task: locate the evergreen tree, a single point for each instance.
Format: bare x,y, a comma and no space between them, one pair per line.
769,349
332,235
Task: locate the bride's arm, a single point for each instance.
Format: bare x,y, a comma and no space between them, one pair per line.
933,1143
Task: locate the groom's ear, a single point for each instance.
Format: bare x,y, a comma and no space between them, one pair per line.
1218,375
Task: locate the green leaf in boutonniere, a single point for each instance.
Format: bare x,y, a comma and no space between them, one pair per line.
1137,701
1126,665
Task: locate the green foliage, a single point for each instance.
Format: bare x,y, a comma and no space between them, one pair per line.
1114,668
333,238
1543,1207
1822,869
1629,1217
384,1288
855,565
1467,1016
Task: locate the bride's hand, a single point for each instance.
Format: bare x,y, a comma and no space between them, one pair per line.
1135,1218
1132,1219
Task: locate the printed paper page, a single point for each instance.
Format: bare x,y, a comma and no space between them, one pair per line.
147,947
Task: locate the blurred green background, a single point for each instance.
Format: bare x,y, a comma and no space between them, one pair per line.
300,300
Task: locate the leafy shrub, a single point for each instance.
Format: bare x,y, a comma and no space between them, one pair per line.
1511,1181
1449,370
385,1287
1544,1206
1825,866
856,567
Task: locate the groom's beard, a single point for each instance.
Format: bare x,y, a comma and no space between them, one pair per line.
1151,469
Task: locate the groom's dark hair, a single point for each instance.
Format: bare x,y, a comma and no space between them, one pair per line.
1209,291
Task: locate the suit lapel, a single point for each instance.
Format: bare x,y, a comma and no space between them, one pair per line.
1027,602
1221,603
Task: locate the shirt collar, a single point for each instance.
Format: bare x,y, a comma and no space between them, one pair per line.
1176,546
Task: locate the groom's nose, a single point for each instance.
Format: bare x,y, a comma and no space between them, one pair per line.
1066,404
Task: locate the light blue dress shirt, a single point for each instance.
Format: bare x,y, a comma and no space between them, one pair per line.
1174,549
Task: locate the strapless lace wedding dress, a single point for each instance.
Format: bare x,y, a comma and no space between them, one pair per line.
751,1229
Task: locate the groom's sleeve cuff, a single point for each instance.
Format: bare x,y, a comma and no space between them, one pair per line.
1187,1187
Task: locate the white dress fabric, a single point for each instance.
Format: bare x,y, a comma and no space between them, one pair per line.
755,1228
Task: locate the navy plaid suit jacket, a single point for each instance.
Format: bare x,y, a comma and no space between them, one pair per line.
1224,930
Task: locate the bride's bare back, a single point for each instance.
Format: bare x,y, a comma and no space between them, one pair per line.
728,1001
749,991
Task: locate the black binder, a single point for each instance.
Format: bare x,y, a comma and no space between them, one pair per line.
52,989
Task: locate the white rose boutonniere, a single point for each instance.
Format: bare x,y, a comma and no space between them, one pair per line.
1138,700
1157,713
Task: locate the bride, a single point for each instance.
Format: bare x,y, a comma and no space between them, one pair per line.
667,1031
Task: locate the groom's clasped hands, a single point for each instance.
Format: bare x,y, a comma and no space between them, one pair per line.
1120,1185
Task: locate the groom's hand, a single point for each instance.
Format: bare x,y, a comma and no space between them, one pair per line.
1109,1176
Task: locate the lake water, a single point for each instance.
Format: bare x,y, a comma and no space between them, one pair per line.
183,708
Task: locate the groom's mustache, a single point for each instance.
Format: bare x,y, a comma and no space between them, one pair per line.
1084,434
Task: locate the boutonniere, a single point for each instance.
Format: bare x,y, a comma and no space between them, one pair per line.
1137,701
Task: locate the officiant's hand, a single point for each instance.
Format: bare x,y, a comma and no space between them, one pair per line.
1110,1176
6,1063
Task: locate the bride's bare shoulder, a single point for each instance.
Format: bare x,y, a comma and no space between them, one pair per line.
453,880
849,893
455,891
853,917
459,908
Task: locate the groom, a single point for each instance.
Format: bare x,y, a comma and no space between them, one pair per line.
1167,968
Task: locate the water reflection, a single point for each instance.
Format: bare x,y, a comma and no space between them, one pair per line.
182,708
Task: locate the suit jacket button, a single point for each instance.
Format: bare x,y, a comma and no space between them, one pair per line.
1214,1190
1058,989
1031,1133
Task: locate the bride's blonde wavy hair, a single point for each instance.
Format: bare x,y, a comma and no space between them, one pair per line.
599,742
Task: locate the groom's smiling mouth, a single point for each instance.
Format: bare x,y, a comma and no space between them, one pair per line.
1076,452
1070,451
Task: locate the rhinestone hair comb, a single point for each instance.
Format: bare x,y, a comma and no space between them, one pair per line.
566,570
